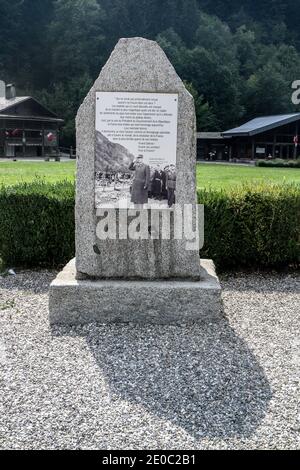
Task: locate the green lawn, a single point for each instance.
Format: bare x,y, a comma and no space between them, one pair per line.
226,176
214,176
16,172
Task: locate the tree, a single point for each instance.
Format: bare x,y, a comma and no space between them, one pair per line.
267,92
10,18
206,119
65,99
76,38
246,52
239,56
215,36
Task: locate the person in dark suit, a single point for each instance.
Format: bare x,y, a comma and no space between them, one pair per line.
164,192
152,171
157,184
141,181
171,185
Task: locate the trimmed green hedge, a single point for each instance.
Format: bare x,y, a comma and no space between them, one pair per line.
278,163
252,227
247,227
37,224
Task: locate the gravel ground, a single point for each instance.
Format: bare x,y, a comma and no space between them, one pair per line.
230,385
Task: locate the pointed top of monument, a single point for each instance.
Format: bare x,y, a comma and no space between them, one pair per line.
139,64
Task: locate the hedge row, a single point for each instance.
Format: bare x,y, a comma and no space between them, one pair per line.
248,227
253,227
278,163
37,224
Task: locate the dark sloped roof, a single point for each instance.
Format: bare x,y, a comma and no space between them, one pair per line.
30,118
6,105
209,135
262,124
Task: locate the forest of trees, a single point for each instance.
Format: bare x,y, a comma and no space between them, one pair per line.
238,57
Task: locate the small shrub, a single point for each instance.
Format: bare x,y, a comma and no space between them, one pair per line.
252,226
37,224
278,163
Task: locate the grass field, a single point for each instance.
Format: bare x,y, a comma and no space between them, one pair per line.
208,175
17,172
226,176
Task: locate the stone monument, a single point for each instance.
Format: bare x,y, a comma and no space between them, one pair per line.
136,153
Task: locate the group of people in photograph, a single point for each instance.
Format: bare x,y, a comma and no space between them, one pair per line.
152,183
116,180
141,182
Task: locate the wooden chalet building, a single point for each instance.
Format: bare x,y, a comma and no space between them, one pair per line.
260,138
27,129
210,146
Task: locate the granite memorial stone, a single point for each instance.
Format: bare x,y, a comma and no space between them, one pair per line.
136,156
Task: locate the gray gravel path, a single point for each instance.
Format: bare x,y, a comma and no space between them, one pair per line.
233,385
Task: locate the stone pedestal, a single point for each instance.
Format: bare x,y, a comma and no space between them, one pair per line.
120,301
123,279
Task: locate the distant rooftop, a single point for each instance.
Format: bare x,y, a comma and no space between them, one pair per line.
5,103
262,124
209,135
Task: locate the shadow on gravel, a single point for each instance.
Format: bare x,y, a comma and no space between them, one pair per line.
33,282
203,378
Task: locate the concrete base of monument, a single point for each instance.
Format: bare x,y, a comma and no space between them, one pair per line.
75,302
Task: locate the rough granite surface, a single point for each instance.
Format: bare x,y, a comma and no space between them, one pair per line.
139,65
73,301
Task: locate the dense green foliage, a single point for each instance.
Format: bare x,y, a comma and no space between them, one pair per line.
278,163
252,226
238,56
248,227
37,224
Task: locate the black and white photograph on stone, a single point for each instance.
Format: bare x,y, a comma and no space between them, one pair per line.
135,150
